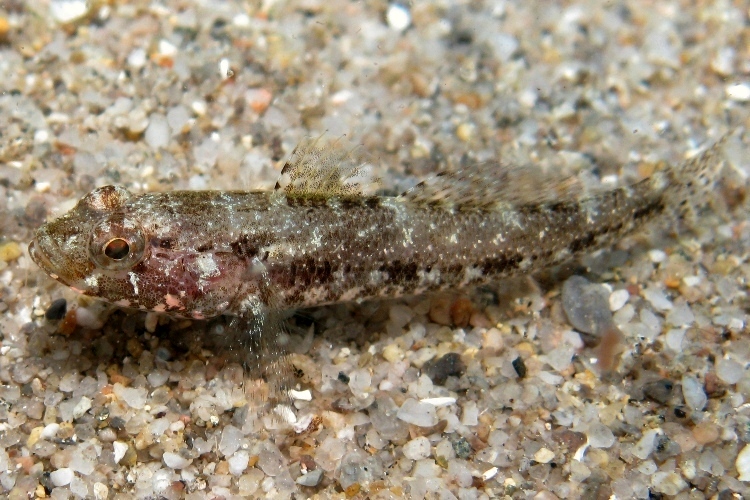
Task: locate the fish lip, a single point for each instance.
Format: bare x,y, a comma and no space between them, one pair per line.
42,259
39,258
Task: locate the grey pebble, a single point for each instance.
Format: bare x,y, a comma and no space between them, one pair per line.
587,305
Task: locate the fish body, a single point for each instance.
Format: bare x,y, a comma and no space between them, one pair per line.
200,254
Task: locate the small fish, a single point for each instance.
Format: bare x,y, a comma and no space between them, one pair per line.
319,239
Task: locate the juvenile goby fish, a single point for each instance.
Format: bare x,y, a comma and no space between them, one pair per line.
317,239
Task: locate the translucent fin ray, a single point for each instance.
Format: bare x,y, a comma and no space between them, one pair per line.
323,169
491,185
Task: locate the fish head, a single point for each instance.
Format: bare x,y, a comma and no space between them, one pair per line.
128,250
94,247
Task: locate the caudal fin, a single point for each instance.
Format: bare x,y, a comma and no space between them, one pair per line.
692,184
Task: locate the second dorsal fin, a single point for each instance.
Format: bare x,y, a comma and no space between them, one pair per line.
324,169
490,185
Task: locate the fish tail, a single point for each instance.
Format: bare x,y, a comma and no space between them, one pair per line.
691,185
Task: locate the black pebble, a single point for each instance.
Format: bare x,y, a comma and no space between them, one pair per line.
117,423
520,367
449,365
56,310
343,377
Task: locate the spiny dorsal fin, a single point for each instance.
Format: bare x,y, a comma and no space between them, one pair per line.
323,169
490,185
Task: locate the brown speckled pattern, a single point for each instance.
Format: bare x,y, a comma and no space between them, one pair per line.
210,252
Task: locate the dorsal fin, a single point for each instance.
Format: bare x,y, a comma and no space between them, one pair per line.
490,185
324,169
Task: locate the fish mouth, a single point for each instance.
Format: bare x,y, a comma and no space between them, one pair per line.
37,256
42,259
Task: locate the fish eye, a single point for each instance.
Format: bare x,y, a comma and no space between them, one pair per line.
117,249
117,242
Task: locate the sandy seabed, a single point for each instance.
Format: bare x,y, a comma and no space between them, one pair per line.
489,393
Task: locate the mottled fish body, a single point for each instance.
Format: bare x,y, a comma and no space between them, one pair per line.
318,240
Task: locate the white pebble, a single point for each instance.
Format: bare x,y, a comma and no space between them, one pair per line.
132,396
658,299
67,11
230,440
137,58
119,450
159,426
41,136
101,492
360,382
241,19
69,382
544,456
175,460
692,280
489,473
504,45
50,431
82,460
417,449
723,61
560,357
305,395
680,315
417,413
657,256
63,476
669,483
470,414
177,118
225,69
647,467
675,338
461,474
692,391
398,17
157,133
643,448
167,48
600,436
83,405
729,371
743,464
161,480
440,401
651,321
157,377
196,183
199,107
736,324
238,462
550,378
739,92
618,299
